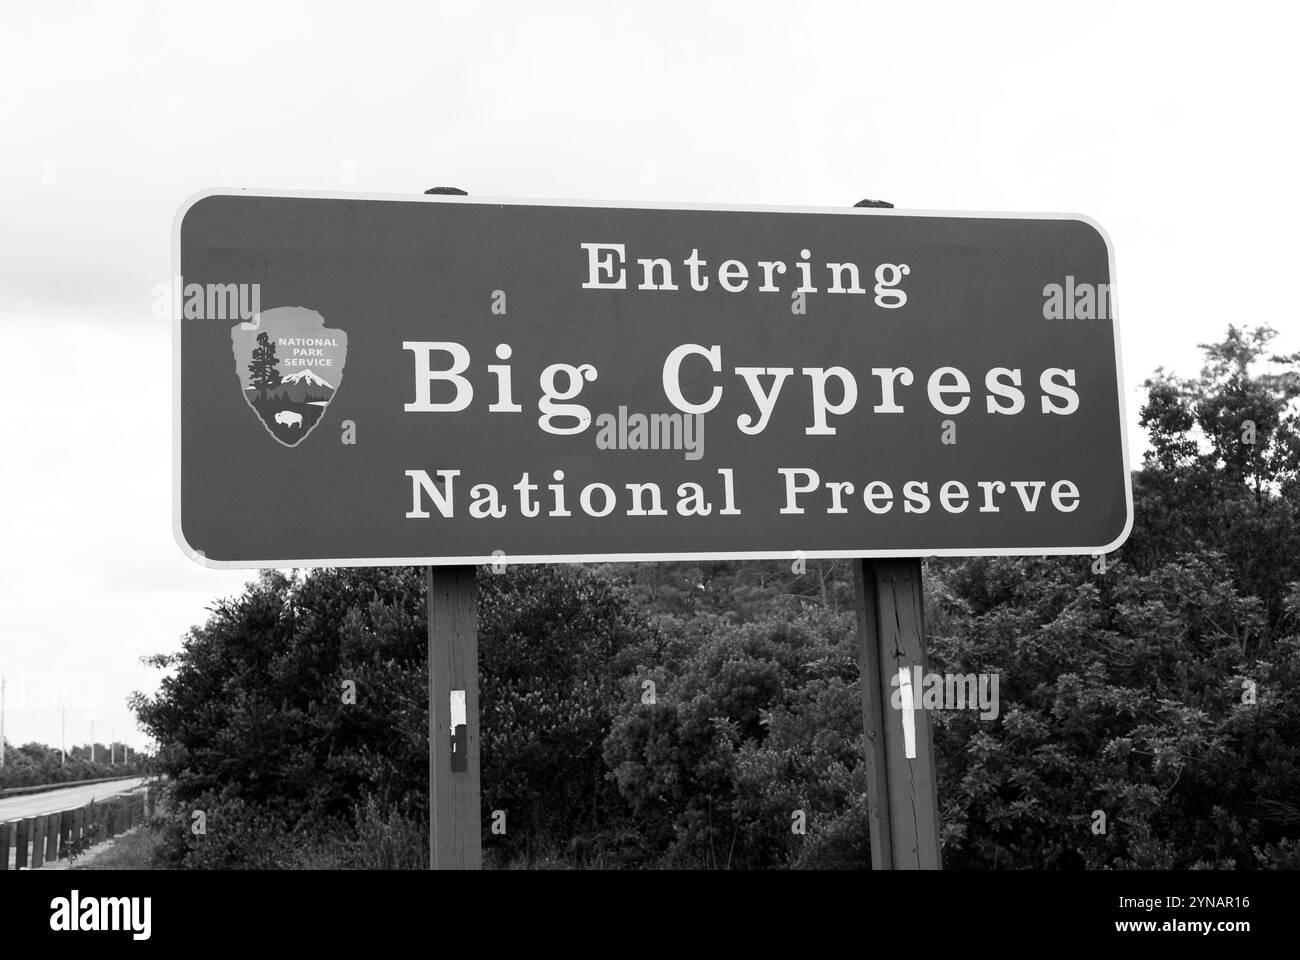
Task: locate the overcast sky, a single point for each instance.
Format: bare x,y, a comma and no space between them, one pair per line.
1171,124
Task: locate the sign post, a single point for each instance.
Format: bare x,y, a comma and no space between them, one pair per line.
902,786
455,825
902,795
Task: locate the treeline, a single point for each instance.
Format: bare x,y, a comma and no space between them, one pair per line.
36,764
679,714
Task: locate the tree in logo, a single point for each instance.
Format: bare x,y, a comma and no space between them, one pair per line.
264,375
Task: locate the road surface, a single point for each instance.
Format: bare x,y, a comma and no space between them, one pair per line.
62,798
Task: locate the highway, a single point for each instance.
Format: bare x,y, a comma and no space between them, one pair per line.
62,798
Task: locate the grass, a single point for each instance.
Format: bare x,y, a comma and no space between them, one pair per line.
130,851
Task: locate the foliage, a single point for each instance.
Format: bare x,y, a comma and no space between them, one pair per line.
755,721
554,644
36,764
255,729
681,714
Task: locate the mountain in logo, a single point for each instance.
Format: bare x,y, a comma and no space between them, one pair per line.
290,365
306,376
301,387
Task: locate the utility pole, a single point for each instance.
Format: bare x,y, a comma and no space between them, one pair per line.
63,735
2,722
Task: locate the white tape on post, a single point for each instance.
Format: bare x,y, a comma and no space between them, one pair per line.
908,711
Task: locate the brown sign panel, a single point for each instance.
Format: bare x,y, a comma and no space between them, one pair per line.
388,380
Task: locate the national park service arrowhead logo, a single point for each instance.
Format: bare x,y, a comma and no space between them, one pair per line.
290,366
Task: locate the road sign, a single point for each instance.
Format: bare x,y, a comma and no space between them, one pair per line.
430,380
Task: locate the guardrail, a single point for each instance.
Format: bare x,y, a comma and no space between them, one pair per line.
33,841
43,787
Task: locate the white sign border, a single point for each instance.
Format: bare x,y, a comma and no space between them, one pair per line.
198,556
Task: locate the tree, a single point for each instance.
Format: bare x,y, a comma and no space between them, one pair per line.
264,374
681,719
254,727
751,722
1163,692
34,764
1223,471
555,646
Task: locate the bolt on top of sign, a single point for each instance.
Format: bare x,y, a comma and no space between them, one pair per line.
536,382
